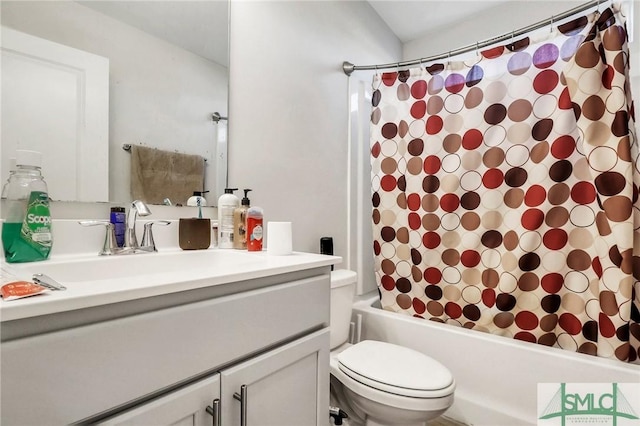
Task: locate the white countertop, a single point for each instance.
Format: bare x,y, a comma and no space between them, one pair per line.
167,272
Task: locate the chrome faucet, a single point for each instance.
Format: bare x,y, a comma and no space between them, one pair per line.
137,208
131,246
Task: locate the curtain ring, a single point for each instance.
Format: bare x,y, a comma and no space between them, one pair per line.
477,48
551,25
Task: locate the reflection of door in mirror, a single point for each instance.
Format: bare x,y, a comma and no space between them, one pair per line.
55,100
162,90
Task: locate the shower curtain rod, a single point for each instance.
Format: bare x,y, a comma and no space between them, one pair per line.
348,67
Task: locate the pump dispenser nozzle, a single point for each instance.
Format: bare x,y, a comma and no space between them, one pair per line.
245,200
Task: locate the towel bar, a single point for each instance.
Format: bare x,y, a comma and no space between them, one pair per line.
127,147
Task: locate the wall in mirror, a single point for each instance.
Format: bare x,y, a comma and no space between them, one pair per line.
55,100
160,95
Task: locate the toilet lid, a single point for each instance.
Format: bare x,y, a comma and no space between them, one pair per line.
394,369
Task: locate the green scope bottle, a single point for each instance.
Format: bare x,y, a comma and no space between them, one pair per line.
26,229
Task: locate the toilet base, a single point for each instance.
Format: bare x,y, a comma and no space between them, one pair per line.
337,398
362,412
370,422
379,415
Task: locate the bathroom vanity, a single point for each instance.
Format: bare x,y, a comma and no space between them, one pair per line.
171,338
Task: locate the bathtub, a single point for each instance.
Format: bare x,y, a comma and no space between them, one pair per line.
496,377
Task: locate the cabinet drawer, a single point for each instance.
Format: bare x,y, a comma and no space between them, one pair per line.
69,375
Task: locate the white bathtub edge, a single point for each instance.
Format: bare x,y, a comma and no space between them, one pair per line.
513,399
468,410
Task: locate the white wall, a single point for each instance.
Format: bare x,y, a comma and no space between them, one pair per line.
634,48
288,108
161,96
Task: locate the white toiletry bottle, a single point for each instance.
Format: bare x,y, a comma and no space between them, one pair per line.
227,203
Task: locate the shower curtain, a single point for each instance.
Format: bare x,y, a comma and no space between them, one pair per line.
505,190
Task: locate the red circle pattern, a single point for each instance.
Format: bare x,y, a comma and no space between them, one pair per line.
525,191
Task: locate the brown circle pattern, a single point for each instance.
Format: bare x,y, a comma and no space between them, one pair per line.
513,181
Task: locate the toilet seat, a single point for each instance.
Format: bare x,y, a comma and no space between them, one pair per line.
396,370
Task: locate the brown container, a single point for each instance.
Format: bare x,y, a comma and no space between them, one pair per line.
194,234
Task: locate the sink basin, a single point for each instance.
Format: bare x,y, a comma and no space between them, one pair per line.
132,266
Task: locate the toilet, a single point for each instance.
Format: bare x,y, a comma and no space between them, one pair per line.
379,383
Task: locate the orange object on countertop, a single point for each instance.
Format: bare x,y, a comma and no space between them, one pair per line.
19,289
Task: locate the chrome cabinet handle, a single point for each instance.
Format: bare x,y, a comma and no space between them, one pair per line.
242,397
214,410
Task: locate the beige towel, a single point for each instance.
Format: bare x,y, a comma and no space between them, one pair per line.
157,174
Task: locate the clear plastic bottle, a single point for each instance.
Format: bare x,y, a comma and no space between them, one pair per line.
12,171
26,231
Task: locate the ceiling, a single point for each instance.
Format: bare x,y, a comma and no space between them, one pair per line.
202,26
412,19
197,26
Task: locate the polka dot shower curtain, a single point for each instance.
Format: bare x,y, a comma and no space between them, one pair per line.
505,190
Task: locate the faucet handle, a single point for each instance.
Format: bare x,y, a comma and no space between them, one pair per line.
147,236
110,245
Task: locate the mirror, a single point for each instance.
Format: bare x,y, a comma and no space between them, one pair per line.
168,76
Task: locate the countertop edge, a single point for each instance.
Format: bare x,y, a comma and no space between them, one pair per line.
56,302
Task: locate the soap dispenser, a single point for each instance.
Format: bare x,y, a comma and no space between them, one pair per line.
227,203
240,223
197,199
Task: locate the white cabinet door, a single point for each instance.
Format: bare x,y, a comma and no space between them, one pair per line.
184,407
288,385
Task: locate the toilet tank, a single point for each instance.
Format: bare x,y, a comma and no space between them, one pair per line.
343,287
